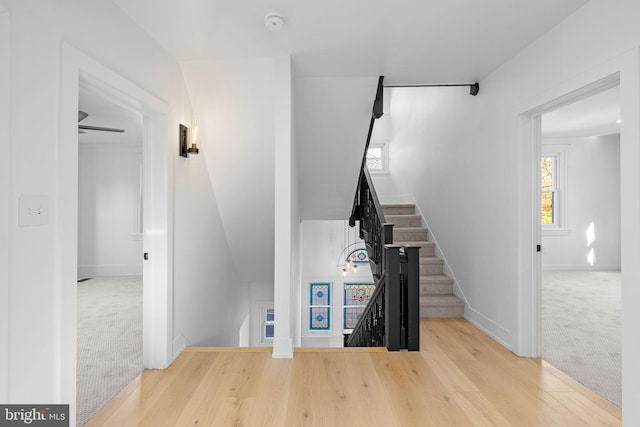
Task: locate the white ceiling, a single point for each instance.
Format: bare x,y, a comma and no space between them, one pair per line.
105,113
408,41
593,116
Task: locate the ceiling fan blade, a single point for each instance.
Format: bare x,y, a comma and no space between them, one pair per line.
84,127
81,116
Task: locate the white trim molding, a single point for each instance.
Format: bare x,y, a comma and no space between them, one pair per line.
78,68
527,334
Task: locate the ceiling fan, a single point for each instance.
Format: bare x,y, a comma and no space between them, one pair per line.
83,128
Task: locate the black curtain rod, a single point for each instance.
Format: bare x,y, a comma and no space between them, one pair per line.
473,87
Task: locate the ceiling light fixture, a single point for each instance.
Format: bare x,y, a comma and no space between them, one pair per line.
274,21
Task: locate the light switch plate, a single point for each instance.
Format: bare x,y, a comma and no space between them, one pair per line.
34,210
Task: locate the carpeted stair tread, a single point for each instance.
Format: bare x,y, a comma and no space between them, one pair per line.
410,234
431,265
403,220
398,209
431,260
442,312
426,248
436,289
441,301
436,279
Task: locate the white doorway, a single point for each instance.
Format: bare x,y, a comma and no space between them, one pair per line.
76,69
623,70
580,235
110,250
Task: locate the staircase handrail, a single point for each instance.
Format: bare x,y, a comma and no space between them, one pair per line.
391,316
376,113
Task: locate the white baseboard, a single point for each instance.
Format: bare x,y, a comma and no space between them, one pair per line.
179,344
282,348
499,333
579,267
110,270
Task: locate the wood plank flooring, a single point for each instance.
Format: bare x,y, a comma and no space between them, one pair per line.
461,377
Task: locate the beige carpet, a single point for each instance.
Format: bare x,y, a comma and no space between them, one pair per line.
109,340
582,328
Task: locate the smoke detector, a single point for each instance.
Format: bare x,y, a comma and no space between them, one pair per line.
274,21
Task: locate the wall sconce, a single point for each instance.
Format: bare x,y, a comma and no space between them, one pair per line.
184,144
194,142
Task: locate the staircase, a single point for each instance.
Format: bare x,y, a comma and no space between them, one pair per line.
436,289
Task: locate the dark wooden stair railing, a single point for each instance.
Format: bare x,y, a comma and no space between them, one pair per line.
392,317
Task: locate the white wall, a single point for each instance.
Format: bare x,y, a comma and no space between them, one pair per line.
211,299
322,243
472,179
593,197
40,303
332,120
234,101
108,188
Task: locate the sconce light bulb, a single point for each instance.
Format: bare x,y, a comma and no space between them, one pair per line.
344,271
355,268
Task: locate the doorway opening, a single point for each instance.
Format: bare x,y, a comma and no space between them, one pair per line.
110,247
579,214
78,69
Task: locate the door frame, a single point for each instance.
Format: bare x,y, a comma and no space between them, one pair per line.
532,124
78,68
625,69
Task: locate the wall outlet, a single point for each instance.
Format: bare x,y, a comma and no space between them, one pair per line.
33,210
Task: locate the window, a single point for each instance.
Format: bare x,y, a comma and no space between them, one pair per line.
356,297
377,158
549,189
269,324
319,306
553,187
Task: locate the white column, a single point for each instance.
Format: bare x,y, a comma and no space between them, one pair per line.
283,280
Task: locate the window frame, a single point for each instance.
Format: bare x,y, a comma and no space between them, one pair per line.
346,306
311,306
384,156
266,322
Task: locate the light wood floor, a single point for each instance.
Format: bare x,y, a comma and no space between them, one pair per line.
460,378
